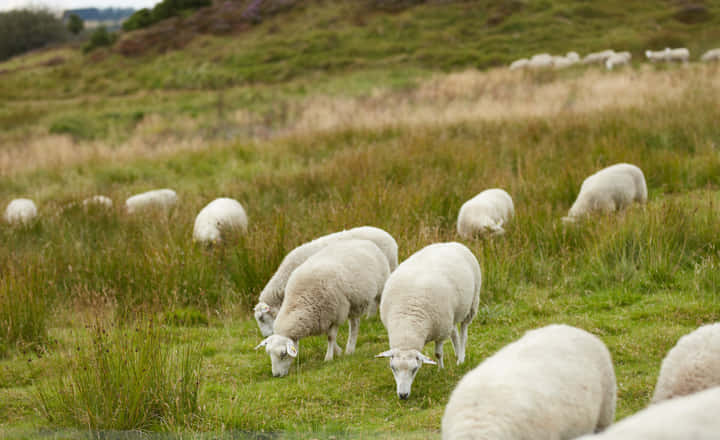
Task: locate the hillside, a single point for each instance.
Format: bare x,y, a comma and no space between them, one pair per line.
326,116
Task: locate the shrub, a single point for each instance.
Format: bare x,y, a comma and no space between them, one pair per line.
165,9
140,19
25,30
100,38
75,24
125,379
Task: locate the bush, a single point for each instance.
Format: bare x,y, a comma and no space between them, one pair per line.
100,38
140,19
125,379
165,9
25,30
75,24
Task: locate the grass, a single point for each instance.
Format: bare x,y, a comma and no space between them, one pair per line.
308,153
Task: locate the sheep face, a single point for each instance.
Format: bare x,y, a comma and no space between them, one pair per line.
282,351
405,365
264,318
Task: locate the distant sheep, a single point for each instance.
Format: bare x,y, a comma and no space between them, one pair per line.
519,64
692,365
540,61
425,298
598,57
692,417
711,55
618,59
611,189
218,215
668,55
339,282
560,62
159,198
20,211
485,213
102,201
556,382
272,295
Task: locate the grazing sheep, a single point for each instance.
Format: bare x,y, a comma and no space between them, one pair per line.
423,300
339,282
20,211
692,365
102,201
598,57
611,189
159,198
519,64
272,295
220,214
568,60
692,417
485,213
655,56
540,61
711,55
668,55
556,382
618,59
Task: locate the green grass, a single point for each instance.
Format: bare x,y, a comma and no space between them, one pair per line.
244,116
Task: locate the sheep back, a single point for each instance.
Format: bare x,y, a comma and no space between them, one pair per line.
556,382
486,212
610,189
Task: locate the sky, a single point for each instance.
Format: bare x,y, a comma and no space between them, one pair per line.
60,5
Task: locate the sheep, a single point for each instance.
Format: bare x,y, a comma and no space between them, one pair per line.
568,60
691,366
272,295
711,55
20,211
159,198
486,212
220,214
519,64
556,382
679,54
598,57
611,189
339,283
540,61
101,201
618,59
692,417
423,300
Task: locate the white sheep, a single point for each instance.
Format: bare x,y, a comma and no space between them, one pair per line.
611,189
424,300
272,295
556,382
561,62
220,214
20,211
711,55
485,213
655,55
100,201
618,59
692,417
598,57
540,61
519,64
692,365
340,282
668,55
158,198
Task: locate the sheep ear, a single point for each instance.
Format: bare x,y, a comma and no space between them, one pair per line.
386,354
291,350
425,359
262,307
263,343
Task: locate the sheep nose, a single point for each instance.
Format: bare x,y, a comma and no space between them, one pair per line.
403,396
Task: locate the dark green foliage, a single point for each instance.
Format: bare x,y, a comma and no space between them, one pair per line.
25,30
138,20
100,38
394,5
163,10
75,24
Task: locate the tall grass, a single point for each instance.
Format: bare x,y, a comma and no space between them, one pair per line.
125,379
24,309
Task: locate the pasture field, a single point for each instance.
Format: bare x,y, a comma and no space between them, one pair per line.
120,326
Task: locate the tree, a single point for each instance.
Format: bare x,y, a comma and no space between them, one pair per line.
24,30
101,37
75,24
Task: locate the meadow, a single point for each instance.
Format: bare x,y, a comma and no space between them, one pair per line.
118,325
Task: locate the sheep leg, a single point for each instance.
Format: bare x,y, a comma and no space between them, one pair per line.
354,329
439,353
456,341
463,342
333,347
